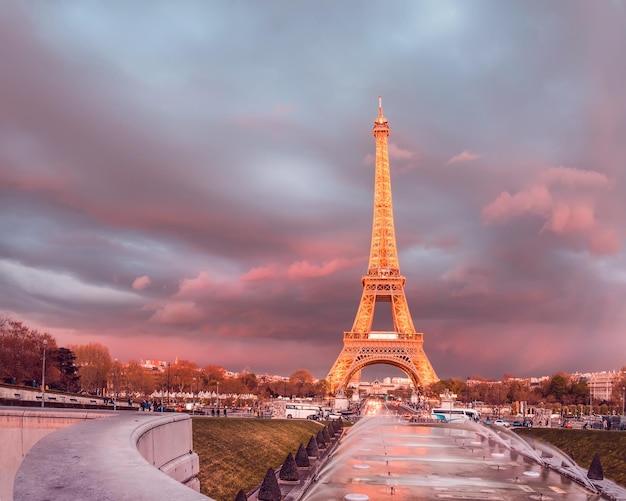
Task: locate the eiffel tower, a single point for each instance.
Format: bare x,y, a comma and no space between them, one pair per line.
402,347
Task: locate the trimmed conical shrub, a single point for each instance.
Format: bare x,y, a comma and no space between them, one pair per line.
289,469
241,496
312,449
270,490
302,458
325,434
321,443
595,470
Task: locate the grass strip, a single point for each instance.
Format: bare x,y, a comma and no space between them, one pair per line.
582,445
235,453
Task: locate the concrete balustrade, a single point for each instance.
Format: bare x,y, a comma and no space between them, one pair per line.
125,456
21,429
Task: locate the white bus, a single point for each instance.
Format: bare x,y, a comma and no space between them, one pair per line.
303,411
450,415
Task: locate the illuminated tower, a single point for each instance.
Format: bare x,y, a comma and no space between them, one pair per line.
402,347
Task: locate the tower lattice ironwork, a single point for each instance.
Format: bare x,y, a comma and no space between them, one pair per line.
403,347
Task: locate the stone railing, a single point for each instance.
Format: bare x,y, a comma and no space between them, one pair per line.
127,456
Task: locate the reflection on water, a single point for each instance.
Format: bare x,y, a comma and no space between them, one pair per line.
384,458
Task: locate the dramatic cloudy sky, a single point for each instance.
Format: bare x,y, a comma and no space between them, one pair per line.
195,179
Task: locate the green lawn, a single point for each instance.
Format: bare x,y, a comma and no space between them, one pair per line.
235,453
583,444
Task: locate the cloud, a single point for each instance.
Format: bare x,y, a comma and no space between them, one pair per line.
566,199
52,286
397,153
573,177
177,313
535,200
260,273
464,156
570,218
606,241
190,285
141,282
304,269
467,281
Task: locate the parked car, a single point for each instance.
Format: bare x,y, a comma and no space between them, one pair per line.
517,423
501,422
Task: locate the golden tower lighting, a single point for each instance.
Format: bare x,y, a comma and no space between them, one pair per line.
401,347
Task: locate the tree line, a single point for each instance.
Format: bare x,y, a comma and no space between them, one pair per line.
22,354
557,391
90,369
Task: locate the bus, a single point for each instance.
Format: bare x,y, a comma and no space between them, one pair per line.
461,414
303,411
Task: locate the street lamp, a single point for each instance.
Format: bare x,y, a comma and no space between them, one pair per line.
177,386
193,397
168,383
115,385
217,397
467,388
43,374
623,398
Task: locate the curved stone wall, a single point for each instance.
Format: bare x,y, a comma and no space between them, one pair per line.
128,456
21,429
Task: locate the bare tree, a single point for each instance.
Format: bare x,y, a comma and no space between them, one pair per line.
94,365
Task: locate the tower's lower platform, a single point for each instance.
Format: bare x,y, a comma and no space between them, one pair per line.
402,350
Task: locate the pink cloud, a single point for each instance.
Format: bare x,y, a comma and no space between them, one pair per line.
259,273
464,156
468,280
570,218
177,312
141,282
570,176
536,200
566,198
303,269
188,285
397,153
605,242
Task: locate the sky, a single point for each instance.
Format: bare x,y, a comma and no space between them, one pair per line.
195,180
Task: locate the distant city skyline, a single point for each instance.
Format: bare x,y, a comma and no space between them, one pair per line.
196,179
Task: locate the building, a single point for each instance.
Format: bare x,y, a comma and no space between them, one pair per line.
600,384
